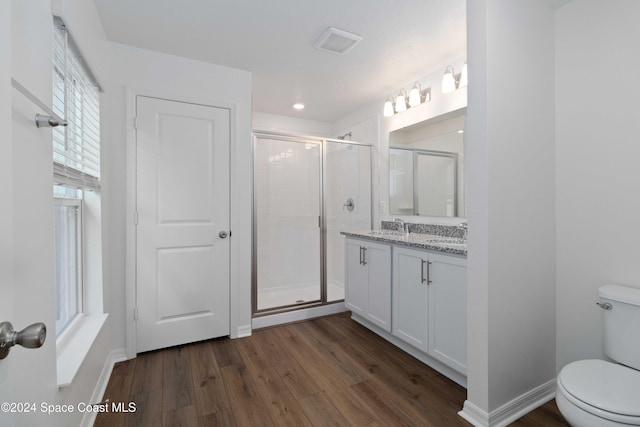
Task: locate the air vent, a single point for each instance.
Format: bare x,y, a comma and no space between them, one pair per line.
337,41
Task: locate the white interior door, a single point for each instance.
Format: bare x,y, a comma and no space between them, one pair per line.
7,281
182,233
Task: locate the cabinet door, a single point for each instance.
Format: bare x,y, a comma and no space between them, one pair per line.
356,286
410,297
378,261
356,281
448,311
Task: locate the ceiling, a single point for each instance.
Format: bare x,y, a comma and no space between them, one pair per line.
402,41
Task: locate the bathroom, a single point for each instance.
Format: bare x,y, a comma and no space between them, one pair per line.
551,175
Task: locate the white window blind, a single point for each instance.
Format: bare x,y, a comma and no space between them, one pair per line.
76,147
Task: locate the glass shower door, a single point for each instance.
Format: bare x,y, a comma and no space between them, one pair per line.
347,205
287,223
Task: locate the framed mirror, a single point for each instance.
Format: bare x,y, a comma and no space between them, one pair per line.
426,168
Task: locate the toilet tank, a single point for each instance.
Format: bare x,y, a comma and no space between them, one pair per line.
621,323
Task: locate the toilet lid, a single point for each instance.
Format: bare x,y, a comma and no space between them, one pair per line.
604,385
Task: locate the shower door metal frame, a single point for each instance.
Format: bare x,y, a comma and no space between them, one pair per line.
322,142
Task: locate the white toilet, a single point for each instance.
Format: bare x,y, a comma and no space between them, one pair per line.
597,393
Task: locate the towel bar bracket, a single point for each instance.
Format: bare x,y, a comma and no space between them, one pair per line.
49,121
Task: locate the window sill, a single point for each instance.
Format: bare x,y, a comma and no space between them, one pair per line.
77,346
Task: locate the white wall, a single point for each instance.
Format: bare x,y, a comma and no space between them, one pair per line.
511,200
154,74
289,124
598,201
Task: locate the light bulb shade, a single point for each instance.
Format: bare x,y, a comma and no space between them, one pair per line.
448,81
388,107
401,101
463,76
415,96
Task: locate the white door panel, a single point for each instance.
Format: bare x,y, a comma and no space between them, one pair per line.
182,206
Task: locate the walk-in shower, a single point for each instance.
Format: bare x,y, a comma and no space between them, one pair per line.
306,190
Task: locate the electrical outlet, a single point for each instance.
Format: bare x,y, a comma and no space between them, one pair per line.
383,207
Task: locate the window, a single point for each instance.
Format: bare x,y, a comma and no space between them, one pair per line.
68,241
76,170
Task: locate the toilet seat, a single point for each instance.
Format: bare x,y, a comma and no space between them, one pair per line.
602,388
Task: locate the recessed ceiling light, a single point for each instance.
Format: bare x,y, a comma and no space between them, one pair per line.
298,106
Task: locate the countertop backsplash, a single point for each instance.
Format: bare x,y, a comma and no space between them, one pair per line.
434,229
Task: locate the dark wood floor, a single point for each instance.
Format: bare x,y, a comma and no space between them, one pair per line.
324,372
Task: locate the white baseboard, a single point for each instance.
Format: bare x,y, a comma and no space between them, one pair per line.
113,357
243,331
474,415
297,315
512,410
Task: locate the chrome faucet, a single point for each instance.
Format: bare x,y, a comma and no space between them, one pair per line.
464,226
402,225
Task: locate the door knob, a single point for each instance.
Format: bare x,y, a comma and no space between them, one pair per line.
32,336
222,234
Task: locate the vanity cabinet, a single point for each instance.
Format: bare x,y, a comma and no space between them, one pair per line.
430,304
368,281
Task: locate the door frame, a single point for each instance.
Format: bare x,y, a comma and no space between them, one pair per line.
235,222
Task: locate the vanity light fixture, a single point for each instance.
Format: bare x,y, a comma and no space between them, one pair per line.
388,107
452,81
416,96
448,80
463,76
401,101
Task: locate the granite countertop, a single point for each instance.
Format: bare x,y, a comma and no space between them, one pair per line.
432,242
